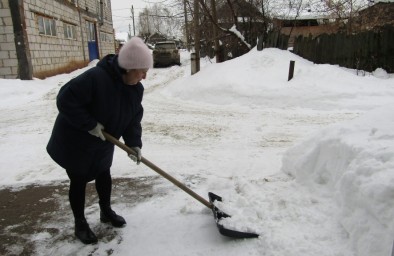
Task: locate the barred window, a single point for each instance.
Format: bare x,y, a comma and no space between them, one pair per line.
46,26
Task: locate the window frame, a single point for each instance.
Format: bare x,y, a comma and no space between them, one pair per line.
91,31
46,25
69,31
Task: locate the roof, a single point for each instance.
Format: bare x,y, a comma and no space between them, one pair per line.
241,7
309,9
166,42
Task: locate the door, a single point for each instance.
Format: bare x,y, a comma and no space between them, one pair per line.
92,42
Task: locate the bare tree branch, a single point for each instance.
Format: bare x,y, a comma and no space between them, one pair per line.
233,31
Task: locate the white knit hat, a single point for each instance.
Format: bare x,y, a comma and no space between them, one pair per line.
134,54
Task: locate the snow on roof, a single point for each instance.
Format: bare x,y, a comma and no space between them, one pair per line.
310,9
121,36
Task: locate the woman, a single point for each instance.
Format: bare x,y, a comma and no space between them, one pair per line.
108,97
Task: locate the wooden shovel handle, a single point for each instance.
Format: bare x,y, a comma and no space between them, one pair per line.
158,170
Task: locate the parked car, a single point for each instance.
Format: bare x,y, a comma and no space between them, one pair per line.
166,53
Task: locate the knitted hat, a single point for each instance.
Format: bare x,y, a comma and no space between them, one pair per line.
134,54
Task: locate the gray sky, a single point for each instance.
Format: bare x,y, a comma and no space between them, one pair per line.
121,12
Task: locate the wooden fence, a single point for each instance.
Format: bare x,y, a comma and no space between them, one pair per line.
363,51
276,40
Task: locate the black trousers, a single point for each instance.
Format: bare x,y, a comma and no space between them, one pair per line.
77,191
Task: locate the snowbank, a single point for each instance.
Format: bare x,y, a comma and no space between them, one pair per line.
353,162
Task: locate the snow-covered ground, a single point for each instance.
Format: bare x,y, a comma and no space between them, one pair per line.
308,164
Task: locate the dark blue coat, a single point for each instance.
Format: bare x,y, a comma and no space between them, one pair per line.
97,95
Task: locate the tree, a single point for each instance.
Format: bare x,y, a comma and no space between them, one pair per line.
346,10
160,19
233,30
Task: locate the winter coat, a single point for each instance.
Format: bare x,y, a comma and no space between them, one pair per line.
97,95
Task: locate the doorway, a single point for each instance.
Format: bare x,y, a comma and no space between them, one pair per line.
92,41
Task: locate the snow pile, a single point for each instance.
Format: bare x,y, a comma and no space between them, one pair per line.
259,78
353,163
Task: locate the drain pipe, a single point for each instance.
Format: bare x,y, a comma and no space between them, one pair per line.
101,13
80,25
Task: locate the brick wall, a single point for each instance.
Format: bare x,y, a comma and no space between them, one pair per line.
306,31
8,59
57,52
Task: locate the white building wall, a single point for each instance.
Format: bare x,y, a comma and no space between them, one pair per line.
50,54
8,59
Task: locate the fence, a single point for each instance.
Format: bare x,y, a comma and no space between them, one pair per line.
363,51
276,40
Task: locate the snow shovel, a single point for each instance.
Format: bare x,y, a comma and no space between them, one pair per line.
218,214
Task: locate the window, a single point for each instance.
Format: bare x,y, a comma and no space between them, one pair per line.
69,31
90,31
46,26
106,37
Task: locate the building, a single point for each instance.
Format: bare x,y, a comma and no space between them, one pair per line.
156,37
377,15
313,20
41,38
306,26
249,23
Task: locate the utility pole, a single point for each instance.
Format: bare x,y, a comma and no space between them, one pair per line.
215,31
147,21
197,35
186,26
132,15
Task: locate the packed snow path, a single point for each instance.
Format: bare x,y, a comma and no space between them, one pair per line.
226,130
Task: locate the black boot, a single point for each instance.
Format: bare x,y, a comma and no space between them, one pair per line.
84,233
109,215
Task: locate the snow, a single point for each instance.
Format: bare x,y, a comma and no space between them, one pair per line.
306,163
122,36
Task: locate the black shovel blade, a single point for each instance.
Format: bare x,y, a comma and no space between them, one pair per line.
218,214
